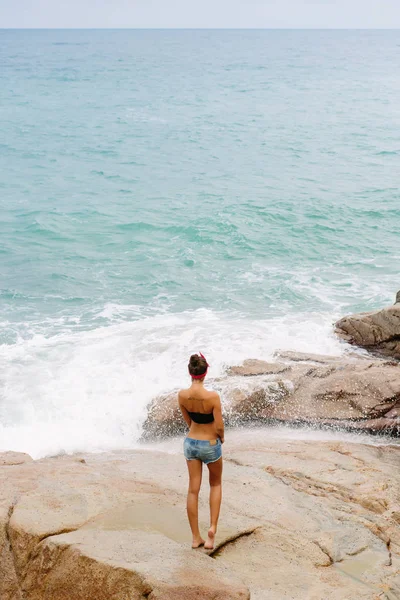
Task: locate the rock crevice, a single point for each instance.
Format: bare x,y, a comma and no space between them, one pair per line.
231,540
14,574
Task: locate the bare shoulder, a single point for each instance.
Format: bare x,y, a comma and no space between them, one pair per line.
214,397
182,395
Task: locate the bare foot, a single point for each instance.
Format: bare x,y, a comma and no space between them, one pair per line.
209,545
196,543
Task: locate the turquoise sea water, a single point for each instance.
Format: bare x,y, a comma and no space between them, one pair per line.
165,190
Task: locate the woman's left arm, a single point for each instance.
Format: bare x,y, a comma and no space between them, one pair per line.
184,411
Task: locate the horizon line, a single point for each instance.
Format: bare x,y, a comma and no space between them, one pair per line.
200,28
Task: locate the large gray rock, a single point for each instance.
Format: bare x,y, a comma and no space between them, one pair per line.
301,520
351,393
377,331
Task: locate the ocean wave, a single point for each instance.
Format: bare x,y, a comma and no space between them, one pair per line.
89,390
217,176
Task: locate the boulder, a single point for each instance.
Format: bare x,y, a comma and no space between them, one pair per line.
325,514
13,458
164,418
342,391
378,331
348,393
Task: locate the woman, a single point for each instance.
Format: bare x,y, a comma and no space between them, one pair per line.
201,410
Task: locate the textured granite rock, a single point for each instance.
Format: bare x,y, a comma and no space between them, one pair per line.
377,331
349,393
301,520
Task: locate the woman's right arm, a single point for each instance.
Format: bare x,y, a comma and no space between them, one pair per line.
219,422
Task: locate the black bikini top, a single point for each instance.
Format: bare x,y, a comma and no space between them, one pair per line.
201,418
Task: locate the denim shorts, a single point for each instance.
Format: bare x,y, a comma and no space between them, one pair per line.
202,450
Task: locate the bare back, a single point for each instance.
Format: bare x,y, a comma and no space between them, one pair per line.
197,399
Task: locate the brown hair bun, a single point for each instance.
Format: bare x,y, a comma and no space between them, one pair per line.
197,365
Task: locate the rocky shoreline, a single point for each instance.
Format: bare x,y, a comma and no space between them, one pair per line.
355,392
301,520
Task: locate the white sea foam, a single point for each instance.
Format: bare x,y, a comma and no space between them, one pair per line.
88,391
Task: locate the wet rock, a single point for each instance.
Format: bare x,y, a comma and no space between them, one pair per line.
377,331
164,418
335,392
304,357
253,367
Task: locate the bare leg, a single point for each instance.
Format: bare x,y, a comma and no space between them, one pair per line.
215,472
195,468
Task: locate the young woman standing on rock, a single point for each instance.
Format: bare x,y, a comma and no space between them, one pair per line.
201,410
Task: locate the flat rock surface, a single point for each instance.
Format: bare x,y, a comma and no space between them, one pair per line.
301,519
